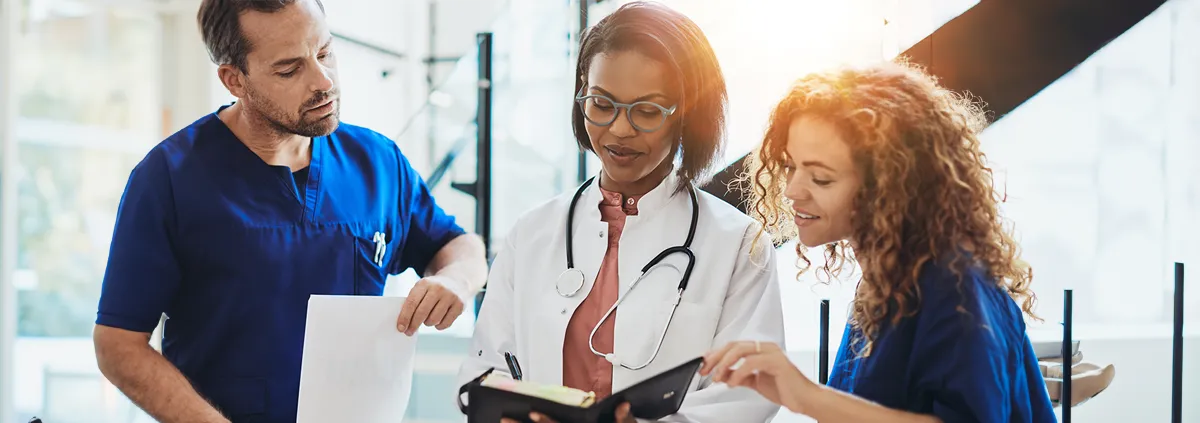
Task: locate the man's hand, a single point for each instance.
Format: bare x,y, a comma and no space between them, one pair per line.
435,301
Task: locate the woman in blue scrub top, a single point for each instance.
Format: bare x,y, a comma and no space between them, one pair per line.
229,225
883,162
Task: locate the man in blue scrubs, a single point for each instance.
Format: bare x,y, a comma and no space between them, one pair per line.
229,226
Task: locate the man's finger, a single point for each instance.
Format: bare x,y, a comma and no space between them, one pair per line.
427,303
455,310
410,306
445,301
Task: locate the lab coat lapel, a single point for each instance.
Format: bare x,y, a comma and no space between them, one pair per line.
591,238
589,244
662,222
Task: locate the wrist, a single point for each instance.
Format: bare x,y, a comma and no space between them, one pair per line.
454,281
809,396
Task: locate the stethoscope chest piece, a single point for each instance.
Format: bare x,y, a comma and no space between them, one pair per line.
569,282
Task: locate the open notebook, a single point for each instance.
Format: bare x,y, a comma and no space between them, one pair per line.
491,397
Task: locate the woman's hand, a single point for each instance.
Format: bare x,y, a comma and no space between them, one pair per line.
623,416
762,367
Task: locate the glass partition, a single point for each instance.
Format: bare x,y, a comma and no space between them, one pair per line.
445,126
88,101
533,157
533,151
1102,181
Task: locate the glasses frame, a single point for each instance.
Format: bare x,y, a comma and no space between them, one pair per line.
581,100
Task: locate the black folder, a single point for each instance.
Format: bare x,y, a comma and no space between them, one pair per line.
653,398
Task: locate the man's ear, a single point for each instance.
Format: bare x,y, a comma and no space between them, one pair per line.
233,79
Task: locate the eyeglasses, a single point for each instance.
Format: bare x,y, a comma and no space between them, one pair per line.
645,116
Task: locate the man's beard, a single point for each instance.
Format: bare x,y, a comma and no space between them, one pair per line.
281,123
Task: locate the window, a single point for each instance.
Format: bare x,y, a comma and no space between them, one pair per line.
1102,179
88,108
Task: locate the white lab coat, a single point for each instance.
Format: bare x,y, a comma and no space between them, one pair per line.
731,295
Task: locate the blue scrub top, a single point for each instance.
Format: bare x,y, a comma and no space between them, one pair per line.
976,366
231,248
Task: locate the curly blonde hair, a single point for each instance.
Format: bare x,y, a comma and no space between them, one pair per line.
927,192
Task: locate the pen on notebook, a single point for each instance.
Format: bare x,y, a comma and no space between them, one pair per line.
514,368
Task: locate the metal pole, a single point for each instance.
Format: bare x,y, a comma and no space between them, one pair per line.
483,138
823,349
9,27
1177,350
1065,399
431,116
581,173
483,148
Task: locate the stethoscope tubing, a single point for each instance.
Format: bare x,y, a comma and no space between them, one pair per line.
683,283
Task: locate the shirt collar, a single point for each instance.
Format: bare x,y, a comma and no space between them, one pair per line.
628,204
649,203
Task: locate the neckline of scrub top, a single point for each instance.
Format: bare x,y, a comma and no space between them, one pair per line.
282,174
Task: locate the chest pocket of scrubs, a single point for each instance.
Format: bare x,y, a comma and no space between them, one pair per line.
373,252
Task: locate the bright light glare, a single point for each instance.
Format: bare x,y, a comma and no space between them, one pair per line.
765,45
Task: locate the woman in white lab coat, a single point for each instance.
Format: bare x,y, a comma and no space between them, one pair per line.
649,94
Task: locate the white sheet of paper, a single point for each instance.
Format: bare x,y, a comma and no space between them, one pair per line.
357,367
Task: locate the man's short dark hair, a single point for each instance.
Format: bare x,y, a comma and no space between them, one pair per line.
222,31
676,41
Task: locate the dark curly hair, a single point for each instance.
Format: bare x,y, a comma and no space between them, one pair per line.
927,193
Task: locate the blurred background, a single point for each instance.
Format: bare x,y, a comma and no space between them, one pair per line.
1096,142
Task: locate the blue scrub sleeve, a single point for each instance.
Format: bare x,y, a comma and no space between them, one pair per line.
142,275
429,227
961,360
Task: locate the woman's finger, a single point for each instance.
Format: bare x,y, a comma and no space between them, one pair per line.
710,359
753,365
541,418
722,367
623,413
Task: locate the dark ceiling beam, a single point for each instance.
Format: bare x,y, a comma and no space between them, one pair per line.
1004,52
1007,51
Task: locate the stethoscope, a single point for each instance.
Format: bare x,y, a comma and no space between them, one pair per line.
570,282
